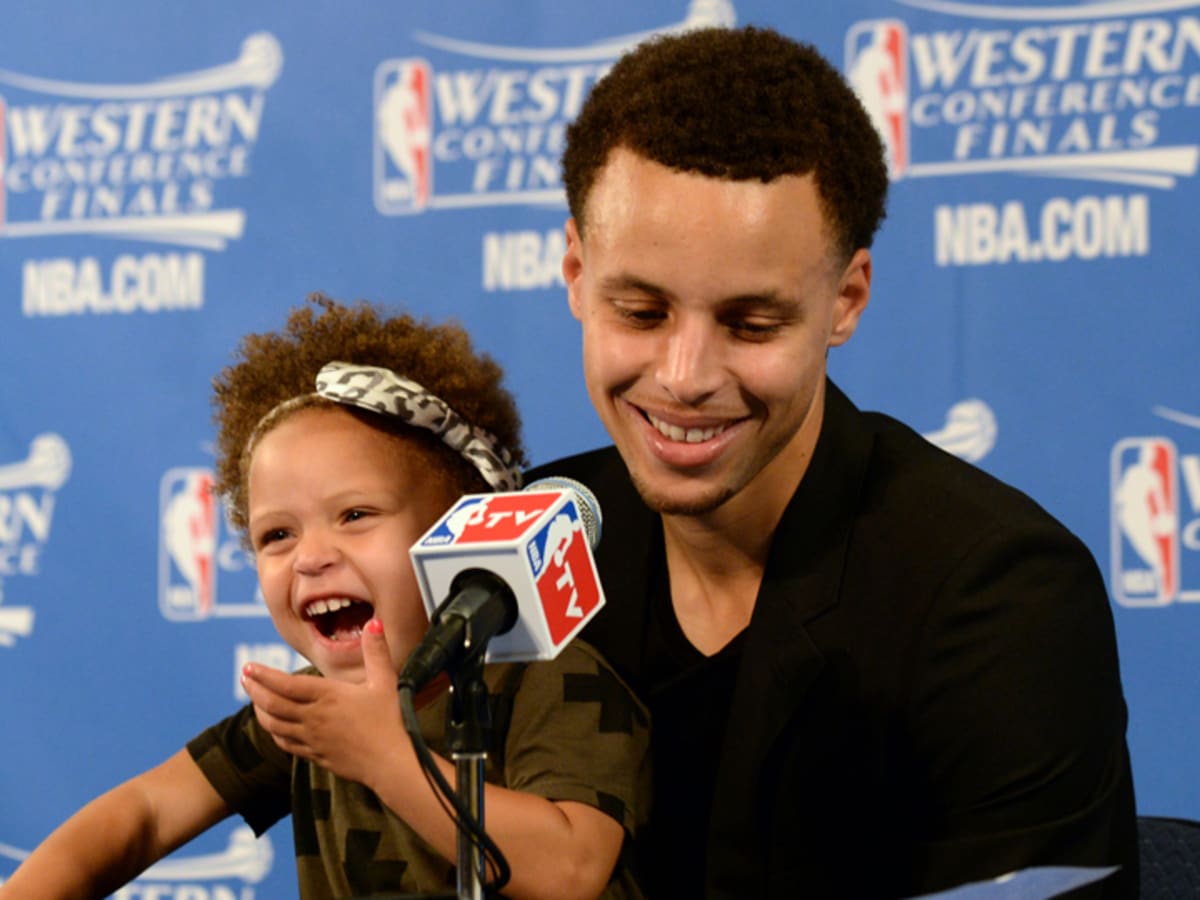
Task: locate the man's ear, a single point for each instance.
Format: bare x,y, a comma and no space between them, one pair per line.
854,292
572,267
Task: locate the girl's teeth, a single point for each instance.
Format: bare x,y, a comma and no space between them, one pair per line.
320,607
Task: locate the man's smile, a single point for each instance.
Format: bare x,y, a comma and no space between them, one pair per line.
690,435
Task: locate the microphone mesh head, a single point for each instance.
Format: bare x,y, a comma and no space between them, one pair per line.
585,502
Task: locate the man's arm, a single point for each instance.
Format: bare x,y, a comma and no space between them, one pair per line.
118,835
1020,717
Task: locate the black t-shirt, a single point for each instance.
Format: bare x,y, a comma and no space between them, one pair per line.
689,695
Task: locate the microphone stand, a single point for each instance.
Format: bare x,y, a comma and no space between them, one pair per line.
468,728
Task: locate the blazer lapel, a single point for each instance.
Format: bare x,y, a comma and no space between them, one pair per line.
779,660
624,558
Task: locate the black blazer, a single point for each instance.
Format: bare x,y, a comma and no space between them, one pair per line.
928,692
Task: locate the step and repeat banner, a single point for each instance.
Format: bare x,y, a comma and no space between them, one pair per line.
175,178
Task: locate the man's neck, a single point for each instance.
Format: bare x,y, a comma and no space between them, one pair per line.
716,560
713,581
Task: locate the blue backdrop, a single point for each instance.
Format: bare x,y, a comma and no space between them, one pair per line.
174,178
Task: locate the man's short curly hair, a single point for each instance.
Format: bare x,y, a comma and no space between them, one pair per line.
276,366
741,104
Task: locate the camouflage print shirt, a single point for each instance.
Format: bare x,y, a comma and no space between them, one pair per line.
567,729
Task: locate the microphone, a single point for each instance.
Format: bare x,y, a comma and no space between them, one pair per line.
516,573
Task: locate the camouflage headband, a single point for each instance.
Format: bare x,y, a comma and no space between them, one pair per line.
383,391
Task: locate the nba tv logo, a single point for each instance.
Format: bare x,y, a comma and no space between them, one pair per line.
566,580
403,135
877,69
1152,534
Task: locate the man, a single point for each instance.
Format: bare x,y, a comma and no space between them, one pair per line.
872,669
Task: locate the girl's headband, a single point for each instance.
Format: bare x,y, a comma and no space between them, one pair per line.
383,391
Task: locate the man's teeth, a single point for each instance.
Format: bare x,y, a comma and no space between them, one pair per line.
321,607
690,435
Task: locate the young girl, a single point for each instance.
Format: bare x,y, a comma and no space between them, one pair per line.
330,496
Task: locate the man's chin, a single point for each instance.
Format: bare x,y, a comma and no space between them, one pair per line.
698,501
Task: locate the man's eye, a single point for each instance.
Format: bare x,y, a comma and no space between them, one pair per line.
640,315
755,331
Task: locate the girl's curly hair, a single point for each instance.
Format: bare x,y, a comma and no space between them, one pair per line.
276,366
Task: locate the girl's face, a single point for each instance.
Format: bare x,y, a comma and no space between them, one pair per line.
333,507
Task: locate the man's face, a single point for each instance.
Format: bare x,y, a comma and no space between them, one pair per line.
333,507
707,306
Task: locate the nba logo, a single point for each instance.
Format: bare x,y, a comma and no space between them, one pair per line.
187,544
1145,522
448,530
877,69
403,134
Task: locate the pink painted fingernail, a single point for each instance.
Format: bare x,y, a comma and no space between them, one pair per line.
375,626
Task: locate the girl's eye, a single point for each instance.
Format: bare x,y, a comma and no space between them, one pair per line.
271,536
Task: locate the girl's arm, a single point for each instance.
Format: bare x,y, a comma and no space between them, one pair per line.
115,837
555,849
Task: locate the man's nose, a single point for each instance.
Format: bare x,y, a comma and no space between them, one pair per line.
690,365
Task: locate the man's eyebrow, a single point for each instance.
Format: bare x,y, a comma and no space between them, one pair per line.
766,301
623,281
770,302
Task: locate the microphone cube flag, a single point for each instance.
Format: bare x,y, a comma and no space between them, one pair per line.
536,542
